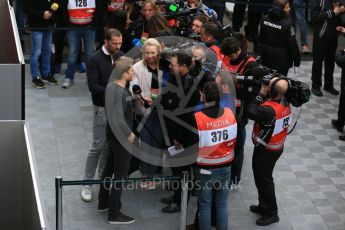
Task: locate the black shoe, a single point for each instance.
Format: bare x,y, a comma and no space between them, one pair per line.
102,207
172,208
121,219
191,227
331,90
255,209
50,79
167,200
337,126
264,221
342,138
317,92
38,83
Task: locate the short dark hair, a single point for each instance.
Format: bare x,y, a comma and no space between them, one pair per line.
183,58
202,18
242,39
211,29
112,33
211,92
230,46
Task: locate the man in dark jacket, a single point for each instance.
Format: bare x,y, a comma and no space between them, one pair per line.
40,15
99,68
278,38
325,16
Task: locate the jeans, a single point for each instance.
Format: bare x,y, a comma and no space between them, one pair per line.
74,41
99,150
298,14
218,180
41,42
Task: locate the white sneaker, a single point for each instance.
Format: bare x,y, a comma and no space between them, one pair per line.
67,83
86,193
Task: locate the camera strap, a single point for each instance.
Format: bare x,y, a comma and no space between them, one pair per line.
294,126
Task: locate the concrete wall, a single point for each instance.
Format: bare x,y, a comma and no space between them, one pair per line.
20,206
11,67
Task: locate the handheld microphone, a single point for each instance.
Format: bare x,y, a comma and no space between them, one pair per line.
137,91
54,7
137,42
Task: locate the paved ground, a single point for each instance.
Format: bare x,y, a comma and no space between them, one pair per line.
310,176
310,181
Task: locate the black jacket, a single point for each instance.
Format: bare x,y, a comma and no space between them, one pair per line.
35,10
278,38
324,20
99,68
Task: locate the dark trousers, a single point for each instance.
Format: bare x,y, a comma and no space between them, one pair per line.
236,167
252,28
177,171
238,14
323,51
263,164
341,109
118,164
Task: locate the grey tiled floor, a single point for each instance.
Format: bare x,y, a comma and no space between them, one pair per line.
310,180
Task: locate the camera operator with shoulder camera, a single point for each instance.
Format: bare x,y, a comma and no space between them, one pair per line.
272,118
237,60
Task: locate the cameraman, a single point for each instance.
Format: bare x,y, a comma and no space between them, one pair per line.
209,33
237,60
272,118
278,39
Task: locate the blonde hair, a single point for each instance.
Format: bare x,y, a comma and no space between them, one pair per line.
122,65
152,3
151,42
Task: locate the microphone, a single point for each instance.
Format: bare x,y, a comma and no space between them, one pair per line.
54,7
137,91
137,42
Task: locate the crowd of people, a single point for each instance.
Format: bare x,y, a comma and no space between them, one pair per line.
125,90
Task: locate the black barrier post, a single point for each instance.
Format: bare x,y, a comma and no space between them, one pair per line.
184,197
58,196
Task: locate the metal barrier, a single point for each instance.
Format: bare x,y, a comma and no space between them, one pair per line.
59,183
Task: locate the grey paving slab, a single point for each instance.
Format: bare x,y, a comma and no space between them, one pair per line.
309,177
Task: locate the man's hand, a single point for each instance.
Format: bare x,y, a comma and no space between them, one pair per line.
47,15
342,9
264,89
177,144
148,100
131,138
340,29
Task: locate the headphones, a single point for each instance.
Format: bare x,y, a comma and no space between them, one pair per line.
273,90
